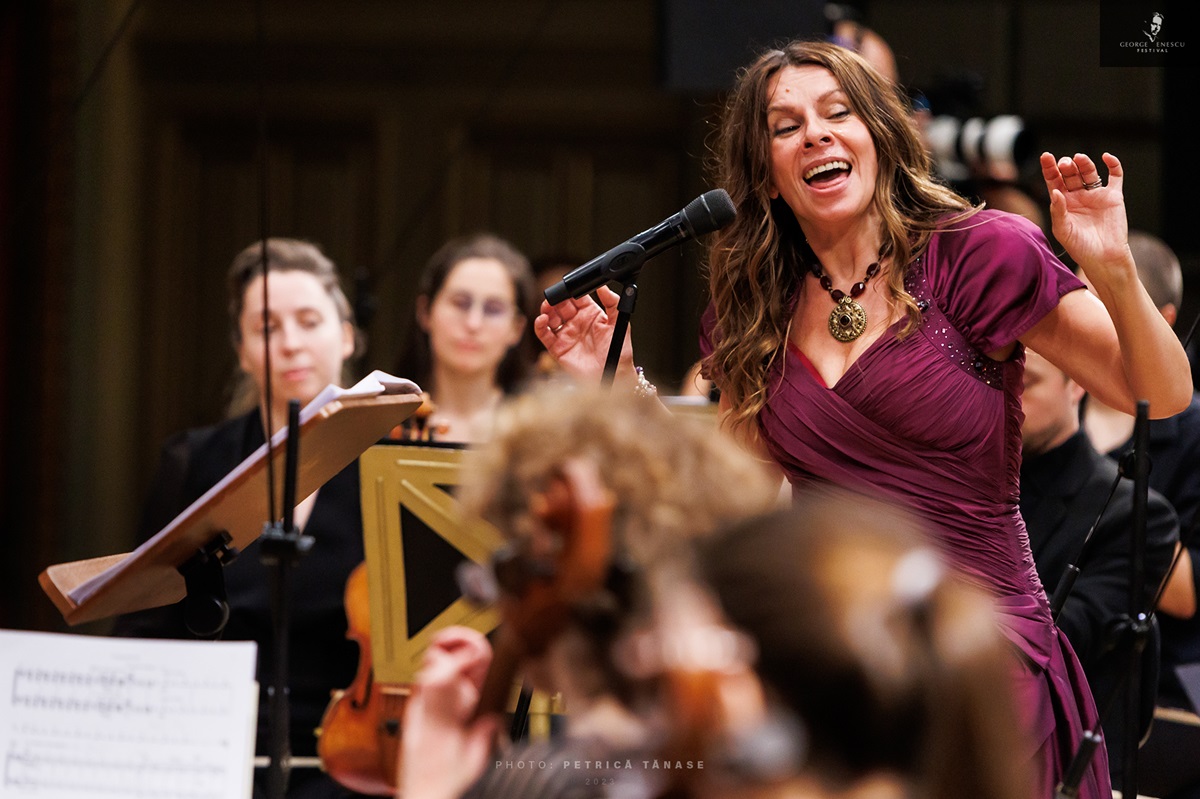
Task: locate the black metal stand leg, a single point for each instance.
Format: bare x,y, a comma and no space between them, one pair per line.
519,729
282,546
625,307
1129,634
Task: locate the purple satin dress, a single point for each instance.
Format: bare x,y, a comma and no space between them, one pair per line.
931,422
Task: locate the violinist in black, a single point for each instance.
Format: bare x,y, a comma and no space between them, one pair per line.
311,337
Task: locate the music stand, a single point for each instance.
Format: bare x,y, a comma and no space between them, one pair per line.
414,535
414,538
332,437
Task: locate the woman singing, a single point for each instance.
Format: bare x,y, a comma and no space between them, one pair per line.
867,328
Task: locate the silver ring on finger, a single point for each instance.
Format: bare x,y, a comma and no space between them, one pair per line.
1095,184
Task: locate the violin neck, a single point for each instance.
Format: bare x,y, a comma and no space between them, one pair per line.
497,685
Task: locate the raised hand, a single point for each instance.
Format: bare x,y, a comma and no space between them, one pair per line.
1086,341
1088,217
578,332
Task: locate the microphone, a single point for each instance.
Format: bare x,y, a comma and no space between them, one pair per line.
710,211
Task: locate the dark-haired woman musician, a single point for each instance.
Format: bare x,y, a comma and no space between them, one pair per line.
312,335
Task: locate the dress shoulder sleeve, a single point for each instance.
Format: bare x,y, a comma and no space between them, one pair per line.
995,277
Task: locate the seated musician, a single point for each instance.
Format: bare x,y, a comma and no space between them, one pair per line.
669,480
467,344
312,336
887,669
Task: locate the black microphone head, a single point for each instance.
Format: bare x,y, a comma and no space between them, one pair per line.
711,211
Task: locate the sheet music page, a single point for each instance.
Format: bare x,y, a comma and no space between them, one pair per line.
84,717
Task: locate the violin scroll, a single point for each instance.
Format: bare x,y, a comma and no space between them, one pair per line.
566,559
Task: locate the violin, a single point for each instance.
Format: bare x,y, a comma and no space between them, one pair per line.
690,651
358,741
419,428
359,737
694,655
565,560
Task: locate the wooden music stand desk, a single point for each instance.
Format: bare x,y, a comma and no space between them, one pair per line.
337,433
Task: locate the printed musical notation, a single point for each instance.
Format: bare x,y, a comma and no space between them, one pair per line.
82,716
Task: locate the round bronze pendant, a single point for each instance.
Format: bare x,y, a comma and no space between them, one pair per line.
848,320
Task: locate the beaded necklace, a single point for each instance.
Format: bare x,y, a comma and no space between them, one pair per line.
847,320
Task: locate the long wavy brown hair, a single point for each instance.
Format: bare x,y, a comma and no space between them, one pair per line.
757,264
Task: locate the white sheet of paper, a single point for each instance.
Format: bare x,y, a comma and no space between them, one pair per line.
84,717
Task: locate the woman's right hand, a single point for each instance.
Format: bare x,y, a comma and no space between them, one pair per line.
578,334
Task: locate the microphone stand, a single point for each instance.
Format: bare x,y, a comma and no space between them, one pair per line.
1130,631
282,545
631,264
630,258
625,307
